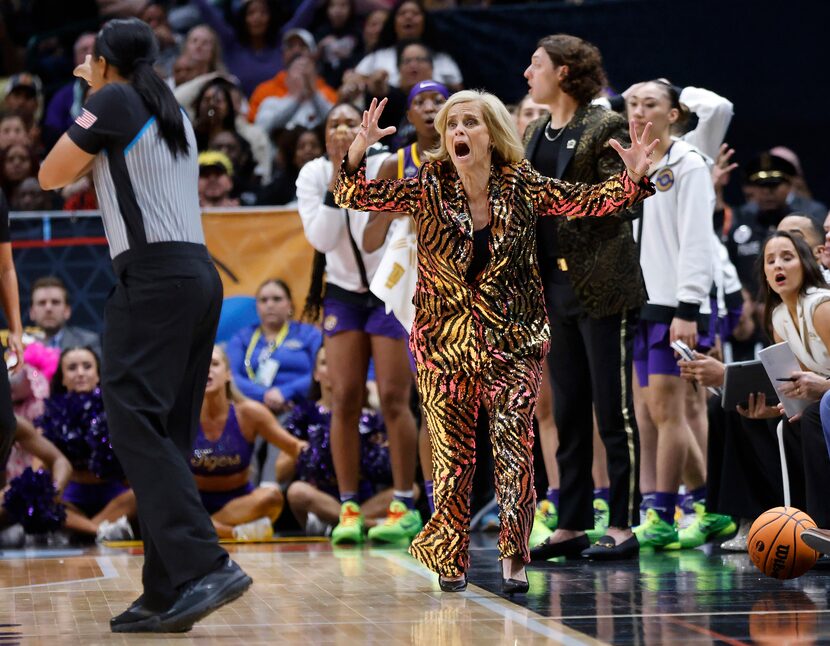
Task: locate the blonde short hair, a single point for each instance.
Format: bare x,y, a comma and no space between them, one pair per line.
500,125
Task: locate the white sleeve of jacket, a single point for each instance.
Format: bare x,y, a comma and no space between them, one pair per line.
695,205
714,113
323,224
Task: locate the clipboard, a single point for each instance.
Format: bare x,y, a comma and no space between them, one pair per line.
743,378
780,362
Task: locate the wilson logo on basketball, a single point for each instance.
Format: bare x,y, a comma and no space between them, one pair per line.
780,559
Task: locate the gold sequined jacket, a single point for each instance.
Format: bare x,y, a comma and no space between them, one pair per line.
459,324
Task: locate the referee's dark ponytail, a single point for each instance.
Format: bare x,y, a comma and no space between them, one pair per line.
131,47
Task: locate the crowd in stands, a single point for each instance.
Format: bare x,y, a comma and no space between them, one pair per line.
274,91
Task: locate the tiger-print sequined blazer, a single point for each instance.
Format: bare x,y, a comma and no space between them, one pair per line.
602,257
458,324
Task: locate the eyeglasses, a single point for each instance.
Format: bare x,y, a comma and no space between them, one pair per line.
416,59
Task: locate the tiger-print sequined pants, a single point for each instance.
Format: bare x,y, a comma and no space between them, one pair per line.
508,386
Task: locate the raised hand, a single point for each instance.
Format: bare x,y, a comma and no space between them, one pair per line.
637,158
369,132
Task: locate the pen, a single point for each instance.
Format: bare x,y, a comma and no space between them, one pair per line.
785,378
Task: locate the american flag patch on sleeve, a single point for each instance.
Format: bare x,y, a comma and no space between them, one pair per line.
86,119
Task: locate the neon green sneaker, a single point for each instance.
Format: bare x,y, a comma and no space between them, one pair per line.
545,521
401,524
547,514
602,515
350,527
655,532
703,529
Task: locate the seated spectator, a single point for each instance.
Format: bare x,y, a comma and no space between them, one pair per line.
272,362
228,426
297,147
30,197
252,45
810,231
98,502
313,496
216,106
66,103
245,182
24,96
50,310
372,28
170,43
17,162
408,21
414,65
13,131
215,180
296,96
338,40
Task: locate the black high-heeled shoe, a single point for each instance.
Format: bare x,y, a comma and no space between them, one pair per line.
452,585
514,586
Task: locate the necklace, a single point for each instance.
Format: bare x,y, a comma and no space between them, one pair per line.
558,132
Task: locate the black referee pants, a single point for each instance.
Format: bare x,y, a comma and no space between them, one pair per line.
160,326
590,366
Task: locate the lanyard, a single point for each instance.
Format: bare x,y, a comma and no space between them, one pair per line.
272,346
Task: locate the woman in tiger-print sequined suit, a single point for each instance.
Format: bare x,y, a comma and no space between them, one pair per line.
480,329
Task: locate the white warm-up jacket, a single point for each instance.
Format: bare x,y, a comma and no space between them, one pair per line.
324,224
677,252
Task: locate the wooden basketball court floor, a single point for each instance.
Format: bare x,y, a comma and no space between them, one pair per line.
307,593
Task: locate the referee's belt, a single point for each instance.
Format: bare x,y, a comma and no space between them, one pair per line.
561,264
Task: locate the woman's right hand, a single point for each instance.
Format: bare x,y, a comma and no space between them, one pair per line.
369,132
683,330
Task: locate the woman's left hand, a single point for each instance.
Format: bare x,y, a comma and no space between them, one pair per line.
806,385
637,158
757,408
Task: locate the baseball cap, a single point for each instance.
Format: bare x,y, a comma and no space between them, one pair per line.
304,35
216,159
427,86
24,81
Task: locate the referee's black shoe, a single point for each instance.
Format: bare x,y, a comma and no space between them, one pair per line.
136,618
197,600
202,596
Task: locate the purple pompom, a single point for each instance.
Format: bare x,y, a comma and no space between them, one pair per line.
77,424
31,501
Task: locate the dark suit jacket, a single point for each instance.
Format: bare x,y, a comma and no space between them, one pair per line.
77,337
602,257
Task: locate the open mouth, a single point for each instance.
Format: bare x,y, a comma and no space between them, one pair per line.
461,149
780,278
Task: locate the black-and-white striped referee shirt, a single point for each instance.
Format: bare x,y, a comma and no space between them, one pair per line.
145,194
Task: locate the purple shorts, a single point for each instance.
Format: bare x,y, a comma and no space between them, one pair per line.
652,353
215,500
707,341
92,498
729,322
340,316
